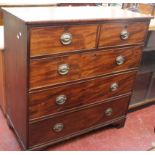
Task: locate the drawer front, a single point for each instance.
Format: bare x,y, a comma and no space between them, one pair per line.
71,123
48,40
54,100
122,33
81,66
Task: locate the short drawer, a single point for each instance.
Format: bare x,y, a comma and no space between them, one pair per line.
62,98
114,34
54,40
76,122
51,71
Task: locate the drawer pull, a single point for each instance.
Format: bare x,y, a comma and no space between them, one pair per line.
63,69
58,127
66,38
120,60
124,35
61,99
114,87
108,112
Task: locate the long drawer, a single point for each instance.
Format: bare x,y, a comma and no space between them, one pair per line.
75,122
124,33
58,99
54,40
51,71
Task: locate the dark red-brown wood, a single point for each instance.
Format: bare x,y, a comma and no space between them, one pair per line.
76,122
46,40
15,57
43,103
110,33
82,66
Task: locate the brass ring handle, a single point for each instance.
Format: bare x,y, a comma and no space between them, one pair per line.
120,60
63,69
124,35
66,38
108,112
58,127
114,86
61,99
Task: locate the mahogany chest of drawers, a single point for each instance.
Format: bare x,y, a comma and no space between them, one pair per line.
69,70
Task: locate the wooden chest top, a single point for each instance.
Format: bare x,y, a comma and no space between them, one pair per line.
72,14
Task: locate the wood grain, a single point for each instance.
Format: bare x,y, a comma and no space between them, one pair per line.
46,40
100,62
110,33
15,57
41,132
43,103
